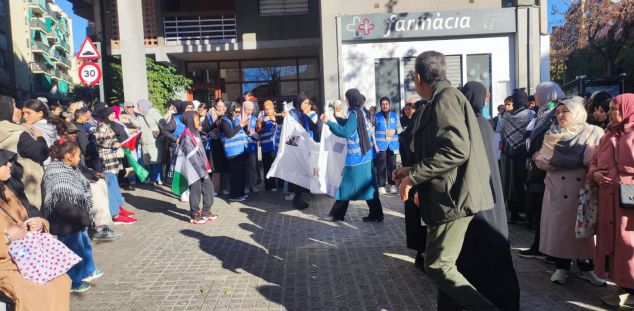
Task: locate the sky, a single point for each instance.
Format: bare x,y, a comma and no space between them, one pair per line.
79,24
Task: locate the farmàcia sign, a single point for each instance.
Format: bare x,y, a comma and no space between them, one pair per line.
427,24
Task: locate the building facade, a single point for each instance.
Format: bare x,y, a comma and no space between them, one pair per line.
276,49
42,43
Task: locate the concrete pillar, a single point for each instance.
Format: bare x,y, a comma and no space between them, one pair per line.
330,50
132,47
521,49
534,50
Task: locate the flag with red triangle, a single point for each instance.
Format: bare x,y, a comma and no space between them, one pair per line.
132,142
129,145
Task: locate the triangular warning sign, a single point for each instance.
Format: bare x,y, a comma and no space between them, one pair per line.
88,50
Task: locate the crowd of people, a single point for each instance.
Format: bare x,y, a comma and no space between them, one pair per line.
63,169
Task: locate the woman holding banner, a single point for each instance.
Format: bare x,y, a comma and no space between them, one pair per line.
358,181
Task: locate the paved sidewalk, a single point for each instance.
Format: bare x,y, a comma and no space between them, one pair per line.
262,254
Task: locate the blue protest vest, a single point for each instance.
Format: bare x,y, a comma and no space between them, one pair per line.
354,156
270,139
237,144
207,140
305,119
381,132
252,145
180,127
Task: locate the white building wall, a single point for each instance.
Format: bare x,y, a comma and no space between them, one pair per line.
358,62
544,59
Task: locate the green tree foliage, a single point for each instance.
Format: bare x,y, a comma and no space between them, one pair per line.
163,82
87,94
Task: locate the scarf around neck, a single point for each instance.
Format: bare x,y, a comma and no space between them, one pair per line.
64,183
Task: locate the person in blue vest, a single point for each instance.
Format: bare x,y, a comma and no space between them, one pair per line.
358,181
386,128
270,129
304,114
253,137
234,140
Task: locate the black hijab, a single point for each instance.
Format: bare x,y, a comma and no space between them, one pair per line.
355,100
301,97
187,118
103,113
5,157
520,99
6,108
476,93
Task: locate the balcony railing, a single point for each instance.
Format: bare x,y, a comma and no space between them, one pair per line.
39,47
63,45
65,77
39,6
56,74
64,61
213,28
41,68
38,23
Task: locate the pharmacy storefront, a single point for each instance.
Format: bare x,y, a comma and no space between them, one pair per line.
378,51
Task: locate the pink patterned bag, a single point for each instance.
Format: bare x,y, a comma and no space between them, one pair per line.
41,257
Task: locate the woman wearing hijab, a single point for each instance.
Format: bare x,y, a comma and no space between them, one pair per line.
107,146
252,146
611,166
567,149
546,96
202,187
211,126
148,121
514,154
387,125
67,206
358,182
485,259
302,113
172,130
30,146
16,219
234,140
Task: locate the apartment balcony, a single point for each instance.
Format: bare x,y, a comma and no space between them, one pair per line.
64,76
38,24
64,62
41,68
56,74
39,47
38,6
211,28
63,45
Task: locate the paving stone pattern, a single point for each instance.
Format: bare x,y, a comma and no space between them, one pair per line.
263,255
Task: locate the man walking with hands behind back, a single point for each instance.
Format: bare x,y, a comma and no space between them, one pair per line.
450,174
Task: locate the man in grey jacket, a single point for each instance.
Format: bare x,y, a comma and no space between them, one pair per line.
450,174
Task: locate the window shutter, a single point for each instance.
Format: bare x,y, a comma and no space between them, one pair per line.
283,7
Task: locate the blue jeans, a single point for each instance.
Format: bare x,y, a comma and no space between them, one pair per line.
115,199
155,172
79,243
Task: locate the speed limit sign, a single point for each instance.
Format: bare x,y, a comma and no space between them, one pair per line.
90,73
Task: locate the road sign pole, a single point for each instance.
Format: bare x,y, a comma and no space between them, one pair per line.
101,88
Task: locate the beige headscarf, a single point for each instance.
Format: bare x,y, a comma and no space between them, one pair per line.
572,146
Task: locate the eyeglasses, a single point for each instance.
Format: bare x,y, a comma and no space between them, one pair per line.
236,111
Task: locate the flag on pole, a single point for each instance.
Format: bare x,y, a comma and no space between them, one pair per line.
128,146
191,163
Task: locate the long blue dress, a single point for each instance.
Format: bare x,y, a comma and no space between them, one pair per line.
358,182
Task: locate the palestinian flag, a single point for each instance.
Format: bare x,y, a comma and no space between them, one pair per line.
191,163
128,146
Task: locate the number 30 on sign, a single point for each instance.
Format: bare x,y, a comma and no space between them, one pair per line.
90,73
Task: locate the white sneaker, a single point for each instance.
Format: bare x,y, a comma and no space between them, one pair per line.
393,189
592,278
559,276
382,191
289,197
185,196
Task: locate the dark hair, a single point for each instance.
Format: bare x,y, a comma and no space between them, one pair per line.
61,148
409,105
531,98
385,98
508,99
363,99
233,107
431,67
81,111
37,106
248,93
219,100
600,99
59,123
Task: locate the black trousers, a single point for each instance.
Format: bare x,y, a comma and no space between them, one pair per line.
238,168
385,163
415,232
534,202
251,170
340,207
485,261
267,161
204,188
